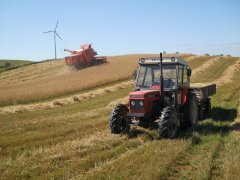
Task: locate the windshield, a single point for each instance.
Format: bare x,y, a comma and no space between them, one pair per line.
149,76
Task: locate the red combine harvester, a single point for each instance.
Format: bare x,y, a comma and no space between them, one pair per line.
83,57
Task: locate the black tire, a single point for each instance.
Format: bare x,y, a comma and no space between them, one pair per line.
207,106
190,114
168,124
118,119
201,112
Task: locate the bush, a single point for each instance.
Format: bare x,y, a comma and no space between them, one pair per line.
7,64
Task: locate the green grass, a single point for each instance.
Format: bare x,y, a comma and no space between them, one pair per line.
229,163
150,161
12,64
25,133
195,163
75,142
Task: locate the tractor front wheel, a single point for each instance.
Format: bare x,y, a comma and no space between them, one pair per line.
119,120
168,124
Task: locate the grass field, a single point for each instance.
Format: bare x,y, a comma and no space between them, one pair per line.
74,141
12,64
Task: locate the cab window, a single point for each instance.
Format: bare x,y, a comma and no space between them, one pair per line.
185,77
149,76
180,76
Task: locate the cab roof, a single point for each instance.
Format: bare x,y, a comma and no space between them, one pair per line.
166,60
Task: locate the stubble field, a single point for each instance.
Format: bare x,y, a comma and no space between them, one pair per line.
73,141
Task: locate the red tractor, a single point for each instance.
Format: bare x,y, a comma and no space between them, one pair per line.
163,97
85,56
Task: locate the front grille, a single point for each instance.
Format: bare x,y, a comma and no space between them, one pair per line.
137,105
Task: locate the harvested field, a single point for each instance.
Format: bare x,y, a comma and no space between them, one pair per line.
59,102
28,85
214,70
32,72
190,58
199,61
229,73
52,78
74,142
205,66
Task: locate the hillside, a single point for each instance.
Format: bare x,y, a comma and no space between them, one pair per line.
11,64
53,78
55,125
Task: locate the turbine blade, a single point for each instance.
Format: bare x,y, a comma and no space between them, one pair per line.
56,26
47,31
58,35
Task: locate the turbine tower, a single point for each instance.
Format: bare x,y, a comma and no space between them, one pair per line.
54,35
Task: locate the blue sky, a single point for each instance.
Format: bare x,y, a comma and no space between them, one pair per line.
119,27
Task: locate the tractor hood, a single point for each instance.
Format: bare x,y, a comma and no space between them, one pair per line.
144,94
142,103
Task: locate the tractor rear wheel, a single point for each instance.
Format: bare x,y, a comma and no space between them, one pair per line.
119,120
190,115
168,124
207,106
201,112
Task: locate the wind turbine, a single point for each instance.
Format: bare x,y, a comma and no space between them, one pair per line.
54,34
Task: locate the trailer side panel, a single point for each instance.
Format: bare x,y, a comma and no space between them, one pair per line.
203,90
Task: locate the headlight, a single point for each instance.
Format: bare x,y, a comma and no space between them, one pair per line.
133,103
141,103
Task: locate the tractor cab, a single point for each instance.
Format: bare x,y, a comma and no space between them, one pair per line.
145,102
175,73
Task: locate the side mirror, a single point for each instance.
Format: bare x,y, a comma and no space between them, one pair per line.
189,72
134,74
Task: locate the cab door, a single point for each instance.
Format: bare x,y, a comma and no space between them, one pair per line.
180,85
183,85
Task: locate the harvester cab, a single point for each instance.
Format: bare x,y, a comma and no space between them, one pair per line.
162,98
